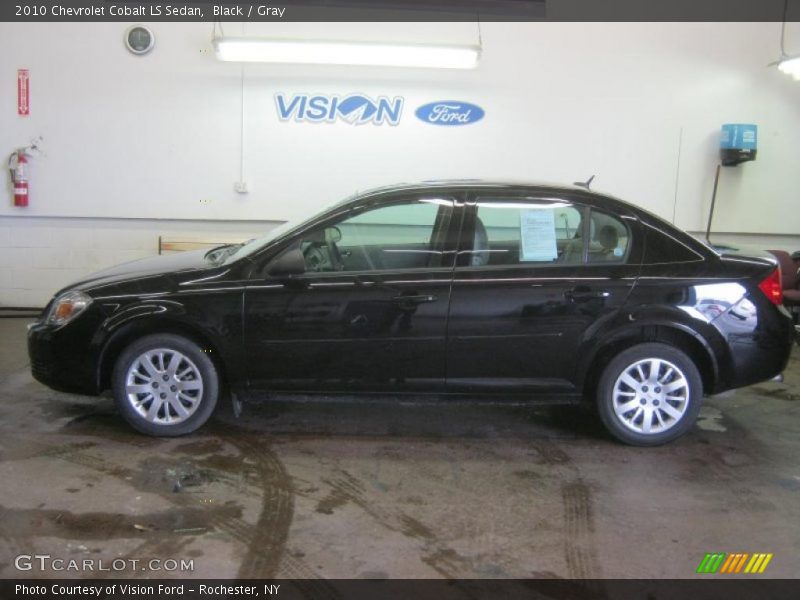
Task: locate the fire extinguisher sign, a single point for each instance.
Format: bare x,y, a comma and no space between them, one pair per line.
23,92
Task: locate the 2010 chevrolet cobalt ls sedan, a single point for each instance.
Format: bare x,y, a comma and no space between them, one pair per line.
524,291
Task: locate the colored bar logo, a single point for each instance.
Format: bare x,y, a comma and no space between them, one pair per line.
737,562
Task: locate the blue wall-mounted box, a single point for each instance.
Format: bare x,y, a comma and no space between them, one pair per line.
738,143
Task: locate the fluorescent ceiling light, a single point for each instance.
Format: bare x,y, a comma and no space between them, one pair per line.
791,66
346,53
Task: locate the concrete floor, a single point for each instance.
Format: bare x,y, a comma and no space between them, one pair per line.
339,489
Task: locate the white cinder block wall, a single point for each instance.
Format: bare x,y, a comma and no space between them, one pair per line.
39,256
137,147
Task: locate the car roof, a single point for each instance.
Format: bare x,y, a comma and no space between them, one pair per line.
468,183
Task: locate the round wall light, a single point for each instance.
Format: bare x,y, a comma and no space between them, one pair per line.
139,39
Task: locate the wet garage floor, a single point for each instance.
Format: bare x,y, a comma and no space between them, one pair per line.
335,489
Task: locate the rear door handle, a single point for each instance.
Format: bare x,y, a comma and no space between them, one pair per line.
582,294
415,299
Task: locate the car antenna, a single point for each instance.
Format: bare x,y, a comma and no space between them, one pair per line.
587,184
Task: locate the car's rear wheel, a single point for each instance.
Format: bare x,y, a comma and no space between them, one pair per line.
649,394
165,385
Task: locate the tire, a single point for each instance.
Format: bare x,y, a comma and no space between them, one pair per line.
165,385
629,394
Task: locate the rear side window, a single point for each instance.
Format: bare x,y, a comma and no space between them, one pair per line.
516,231
609,239
660,248
513,232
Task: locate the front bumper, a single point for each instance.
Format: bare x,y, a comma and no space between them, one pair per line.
62,357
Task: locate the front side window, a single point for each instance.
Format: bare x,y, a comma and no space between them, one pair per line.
515,231
403,235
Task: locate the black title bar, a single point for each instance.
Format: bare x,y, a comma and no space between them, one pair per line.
711,588
399,10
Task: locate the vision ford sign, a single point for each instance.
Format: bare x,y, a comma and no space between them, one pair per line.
355,109
449,113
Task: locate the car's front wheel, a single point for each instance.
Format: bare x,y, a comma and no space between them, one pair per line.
165,385
649,394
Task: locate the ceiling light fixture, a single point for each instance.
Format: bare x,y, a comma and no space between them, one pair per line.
787,64
791,66
239,49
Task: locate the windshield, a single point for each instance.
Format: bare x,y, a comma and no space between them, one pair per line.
255,244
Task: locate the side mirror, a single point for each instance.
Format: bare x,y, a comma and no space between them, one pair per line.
291,262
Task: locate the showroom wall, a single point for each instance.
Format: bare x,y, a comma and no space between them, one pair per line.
137,147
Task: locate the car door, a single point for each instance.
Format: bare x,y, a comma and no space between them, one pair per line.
370,311
535,274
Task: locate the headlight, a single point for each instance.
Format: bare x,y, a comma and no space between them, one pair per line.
68,306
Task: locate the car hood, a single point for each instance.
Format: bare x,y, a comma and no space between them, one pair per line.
163,265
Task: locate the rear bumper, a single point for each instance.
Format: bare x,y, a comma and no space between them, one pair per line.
763,354
61,359
770,363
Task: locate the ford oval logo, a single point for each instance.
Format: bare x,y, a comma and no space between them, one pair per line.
449,112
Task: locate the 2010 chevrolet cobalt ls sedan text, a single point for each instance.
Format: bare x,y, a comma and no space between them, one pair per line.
524,291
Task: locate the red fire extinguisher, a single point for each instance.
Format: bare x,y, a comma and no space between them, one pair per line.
18,177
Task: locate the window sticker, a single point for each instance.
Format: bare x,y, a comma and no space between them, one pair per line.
537,235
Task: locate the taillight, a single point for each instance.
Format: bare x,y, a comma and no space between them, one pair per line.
772,287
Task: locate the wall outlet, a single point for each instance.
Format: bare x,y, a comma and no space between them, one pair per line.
240,187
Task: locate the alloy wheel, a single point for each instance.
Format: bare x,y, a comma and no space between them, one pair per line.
164,386
651,396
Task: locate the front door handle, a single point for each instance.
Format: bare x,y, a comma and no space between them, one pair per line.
583,294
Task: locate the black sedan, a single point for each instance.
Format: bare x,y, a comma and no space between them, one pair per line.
525,291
